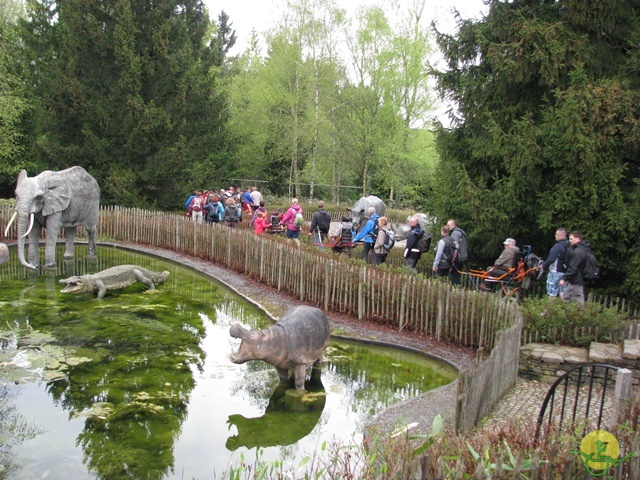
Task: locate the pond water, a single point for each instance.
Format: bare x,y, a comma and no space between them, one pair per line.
140,385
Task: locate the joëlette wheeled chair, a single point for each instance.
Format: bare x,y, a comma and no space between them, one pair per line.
509,282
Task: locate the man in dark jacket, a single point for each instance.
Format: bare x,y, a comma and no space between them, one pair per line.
462,245
572,280
411,252
555,263
443,261
320,224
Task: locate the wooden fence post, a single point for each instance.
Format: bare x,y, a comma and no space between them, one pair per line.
302,275
177,240
327,285
403,299
279,267
229,247
361,294
440,313
247,247
261,258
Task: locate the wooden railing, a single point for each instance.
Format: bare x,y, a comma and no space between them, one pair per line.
318,278
480,388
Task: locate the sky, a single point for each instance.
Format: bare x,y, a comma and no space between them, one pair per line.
246,15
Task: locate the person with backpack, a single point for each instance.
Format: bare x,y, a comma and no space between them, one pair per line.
384,242
412,252
232,214
197,208
573,277
369,233
555,263
214,209
292,221
445,254
461,255
320,225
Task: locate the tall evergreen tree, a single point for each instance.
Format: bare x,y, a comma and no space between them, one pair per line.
127,91
546,134
15,104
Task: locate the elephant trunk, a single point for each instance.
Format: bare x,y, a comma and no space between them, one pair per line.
22,228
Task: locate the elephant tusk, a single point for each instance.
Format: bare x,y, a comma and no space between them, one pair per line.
31,218
6,230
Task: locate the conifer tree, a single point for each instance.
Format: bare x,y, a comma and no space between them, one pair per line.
546,134
128,91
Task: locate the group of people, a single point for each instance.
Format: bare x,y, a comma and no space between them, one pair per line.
226,206
564,265
452,252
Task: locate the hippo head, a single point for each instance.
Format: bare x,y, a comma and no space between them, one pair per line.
75,284
251,347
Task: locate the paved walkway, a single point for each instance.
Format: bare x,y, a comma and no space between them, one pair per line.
525,400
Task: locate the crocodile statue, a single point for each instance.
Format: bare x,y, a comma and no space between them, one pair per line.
113,278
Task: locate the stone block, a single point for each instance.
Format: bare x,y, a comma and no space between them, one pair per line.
631,349
604,352
550,357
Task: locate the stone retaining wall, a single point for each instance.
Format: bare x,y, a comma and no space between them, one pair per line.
546,362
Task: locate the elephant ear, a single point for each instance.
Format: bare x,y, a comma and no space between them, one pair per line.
57,197
22,176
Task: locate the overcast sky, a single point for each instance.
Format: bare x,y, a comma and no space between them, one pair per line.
246,15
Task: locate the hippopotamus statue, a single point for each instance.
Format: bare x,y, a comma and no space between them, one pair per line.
359,210
296,340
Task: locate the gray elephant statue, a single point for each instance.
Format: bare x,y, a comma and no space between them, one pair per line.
55,200
359,210
296,340
4,253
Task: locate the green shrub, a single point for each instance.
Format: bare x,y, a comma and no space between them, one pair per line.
570,323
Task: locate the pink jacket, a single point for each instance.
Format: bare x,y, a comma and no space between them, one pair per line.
260,225
290,217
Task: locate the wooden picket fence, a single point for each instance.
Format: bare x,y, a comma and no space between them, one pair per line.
321,278
318,278
480,388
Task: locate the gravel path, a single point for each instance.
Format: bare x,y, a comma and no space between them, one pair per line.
420,410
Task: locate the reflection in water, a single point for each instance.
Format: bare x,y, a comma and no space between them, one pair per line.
14,429
288,417
145,383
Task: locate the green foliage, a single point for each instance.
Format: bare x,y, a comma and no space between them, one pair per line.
15,104
547,131
128,92
570,323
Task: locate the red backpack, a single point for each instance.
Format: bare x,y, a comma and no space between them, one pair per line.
197,204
